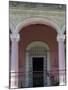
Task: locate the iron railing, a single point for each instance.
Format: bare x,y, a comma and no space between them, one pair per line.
52,74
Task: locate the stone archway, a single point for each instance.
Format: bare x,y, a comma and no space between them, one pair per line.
40,20
37,49
15,37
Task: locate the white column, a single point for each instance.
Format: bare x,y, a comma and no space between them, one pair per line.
48,68
27,70
14,60
61,49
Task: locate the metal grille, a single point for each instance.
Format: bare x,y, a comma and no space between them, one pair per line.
53,75
54,78
37,51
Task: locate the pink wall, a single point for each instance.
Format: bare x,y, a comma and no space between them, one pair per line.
38,32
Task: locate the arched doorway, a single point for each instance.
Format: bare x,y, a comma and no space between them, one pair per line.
37,39
31,32
37,64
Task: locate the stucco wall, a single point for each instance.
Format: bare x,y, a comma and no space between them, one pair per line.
22,11
38,32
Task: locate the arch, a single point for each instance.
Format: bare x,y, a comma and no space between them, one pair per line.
29,56
44,21
37,43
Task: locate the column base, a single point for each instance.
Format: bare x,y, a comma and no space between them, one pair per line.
62,84
14,81
62,81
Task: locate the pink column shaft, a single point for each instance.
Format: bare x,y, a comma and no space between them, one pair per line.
14,60
61,49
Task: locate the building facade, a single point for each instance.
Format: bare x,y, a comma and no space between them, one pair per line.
37,44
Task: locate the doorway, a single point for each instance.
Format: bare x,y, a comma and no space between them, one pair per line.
38,71
37,64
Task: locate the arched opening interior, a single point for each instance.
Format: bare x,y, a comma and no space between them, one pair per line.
43,33
38,62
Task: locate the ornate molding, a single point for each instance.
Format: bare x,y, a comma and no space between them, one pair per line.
32,5
15,37
35,20
60,37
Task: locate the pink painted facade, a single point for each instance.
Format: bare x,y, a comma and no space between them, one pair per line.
37,45
38,32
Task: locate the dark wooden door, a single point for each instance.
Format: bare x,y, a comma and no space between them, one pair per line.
38,71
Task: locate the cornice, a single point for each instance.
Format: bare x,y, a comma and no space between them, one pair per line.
36,12
36,6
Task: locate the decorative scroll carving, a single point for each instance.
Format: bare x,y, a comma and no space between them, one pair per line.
15,37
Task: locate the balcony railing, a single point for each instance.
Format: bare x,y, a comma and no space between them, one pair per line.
53,76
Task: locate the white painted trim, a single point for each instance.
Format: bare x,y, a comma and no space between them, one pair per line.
34,20
36,43
27,70
48,67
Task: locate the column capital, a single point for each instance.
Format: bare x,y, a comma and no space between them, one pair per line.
60,37
15,37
